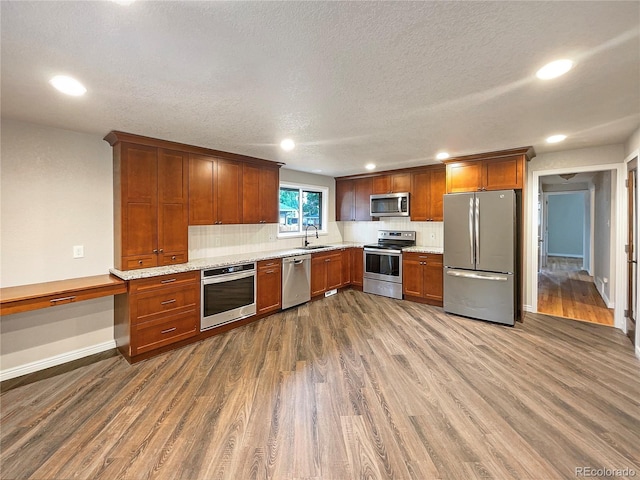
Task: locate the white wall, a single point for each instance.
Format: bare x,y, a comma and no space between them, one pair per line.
632,148
603,269
57,192
559,161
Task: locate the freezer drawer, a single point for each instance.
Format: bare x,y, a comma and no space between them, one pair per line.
482,295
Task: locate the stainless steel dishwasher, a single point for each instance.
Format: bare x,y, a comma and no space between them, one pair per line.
296,280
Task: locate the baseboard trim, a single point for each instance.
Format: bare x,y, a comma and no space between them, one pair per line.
56,360
600,288
638,350
528,308
568,255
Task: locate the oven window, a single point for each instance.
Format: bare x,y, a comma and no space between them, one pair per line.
221,297
382,264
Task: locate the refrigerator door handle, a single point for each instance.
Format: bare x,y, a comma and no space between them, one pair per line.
477,217
471,230
477,275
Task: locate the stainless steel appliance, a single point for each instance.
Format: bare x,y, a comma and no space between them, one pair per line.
389,205
479,255
228,294
296,280
383,263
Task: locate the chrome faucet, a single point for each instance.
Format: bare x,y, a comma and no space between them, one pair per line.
306,230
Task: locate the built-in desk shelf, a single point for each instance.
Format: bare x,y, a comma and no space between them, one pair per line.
24,298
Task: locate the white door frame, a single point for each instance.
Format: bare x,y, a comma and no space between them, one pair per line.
618,234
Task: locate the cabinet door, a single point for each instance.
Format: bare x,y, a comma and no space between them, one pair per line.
173,211
345,210
412,275
334,270
269,293
139,223
362,196
504,173
401,182
357,266
437,189
346,266
419,201
433,279
251,211
269,194
381,184
228,191
464,177
318,274
201,199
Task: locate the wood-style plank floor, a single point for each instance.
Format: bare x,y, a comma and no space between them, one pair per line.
353,386
565,290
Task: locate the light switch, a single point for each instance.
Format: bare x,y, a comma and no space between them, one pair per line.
78,251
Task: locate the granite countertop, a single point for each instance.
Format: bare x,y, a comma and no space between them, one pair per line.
420,249
223,261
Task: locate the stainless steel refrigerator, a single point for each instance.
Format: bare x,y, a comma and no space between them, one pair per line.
480,255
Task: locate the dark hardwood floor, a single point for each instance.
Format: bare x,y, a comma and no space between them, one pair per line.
352,386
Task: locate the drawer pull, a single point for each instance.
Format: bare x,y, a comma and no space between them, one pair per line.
173,257
62,299
168,330
170,280
167,302
139,262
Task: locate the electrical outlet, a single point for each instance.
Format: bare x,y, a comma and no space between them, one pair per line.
433,236
78,251
271,237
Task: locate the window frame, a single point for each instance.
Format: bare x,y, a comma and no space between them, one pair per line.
324,213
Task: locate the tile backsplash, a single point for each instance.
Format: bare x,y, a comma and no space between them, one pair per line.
219,240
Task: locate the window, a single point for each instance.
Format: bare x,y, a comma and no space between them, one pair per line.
302,206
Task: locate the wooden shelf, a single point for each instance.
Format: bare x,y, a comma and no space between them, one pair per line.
24,298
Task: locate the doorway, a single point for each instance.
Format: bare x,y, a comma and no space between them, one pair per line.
631,249
568,224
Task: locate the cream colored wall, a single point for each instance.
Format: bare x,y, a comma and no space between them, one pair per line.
428,234
632,147
579,158
57,192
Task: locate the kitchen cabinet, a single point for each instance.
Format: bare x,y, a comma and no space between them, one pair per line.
157,312
391,183
422,277
357,266
215,190
428,187
492,171
150,205
346,267
260,194
326,272
352,199
269,279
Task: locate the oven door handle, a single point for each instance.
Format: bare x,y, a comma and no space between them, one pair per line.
228,277
395,253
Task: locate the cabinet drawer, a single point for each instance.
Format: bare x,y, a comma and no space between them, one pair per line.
136,286
270,264
163,301
173,258
156,334
140,261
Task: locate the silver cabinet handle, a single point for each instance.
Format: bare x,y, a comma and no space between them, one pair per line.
170,280
167,302
62,299
168,330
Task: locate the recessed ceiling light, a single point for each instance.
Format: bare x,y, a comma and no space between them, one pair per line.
554,69
556,138
287,144
442,156
68,85
370,166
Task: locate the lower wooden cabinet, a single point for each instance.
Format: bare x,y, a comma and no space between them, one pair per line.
326,271
422,277
357,266
156,312
269,295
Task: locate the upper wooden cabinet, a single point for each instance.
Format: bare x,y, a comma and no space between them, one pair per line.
352,199
150,205
260,199
491,171
427,189
215,191
391,183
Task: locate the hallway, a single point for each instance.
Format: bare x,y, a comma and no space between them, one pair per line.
565,290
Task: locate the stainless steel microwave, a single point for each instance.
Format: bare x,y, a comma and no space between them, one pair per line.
389,205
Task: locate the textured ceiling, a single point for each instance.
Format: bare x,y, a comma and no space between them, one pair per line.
351,82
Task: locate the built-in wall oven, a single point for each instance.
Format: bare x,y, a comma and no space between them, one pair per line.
383,263
228,294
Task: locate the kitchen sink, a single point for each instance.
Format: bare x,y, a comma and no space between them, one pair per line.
313,247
